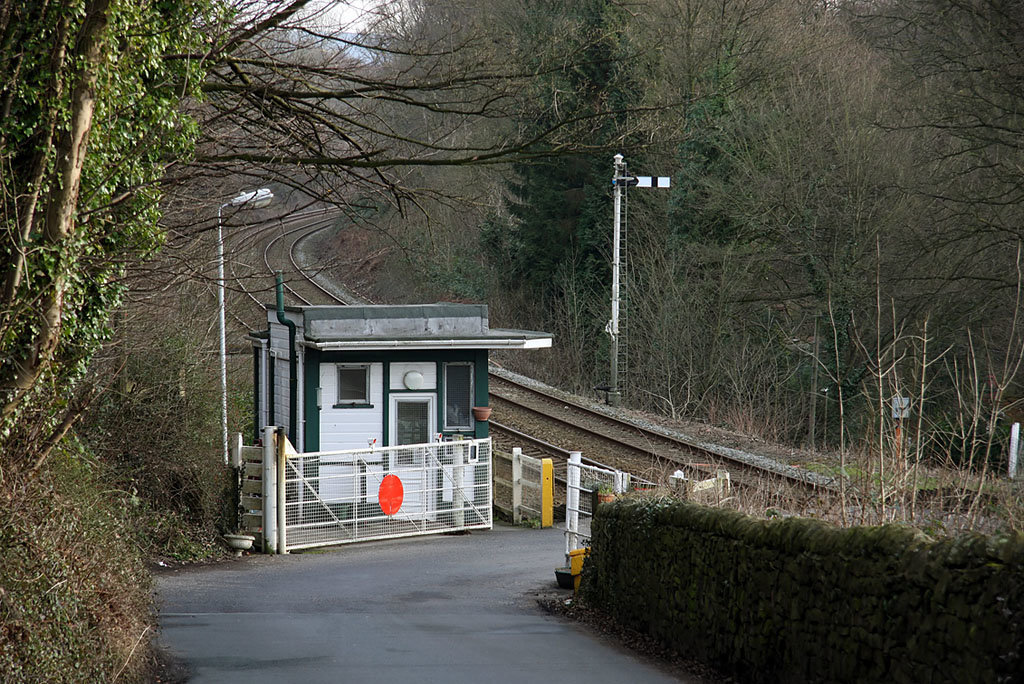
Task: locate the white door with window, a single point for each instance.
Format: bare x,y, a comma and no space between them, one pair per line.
413,420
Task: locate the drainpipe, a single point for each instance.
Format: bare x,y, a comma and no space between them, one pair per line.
293,360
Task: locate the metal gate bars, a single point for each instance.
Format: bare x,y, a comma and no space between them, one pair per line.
341,497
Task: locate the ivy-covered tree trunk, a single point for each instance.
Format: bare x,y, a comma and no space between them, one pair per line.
89,118
40,324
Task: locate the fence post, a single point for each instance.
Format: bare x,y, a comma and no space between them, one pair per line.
722,483
236,479
1014,445
458,498
282,440
572,502
236,451
269,491
517,485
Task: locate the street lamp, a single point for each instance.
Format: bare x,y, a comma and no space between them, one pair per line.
256,199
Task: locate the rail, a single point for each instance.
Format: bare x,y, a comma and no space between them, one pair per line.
650,437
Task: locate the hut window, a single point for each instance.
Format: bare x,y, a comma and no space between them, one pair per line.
458,396
353,385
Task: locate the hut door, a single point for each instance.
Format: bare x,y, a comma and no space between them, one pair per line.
413,421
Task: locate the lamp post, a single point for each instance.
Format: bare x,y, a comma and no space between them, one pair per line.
256,199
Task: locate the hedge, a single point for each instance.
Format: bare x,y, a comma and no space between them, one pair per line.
797,600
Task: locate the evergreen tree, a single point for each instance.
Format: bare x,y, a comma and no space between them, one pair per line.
560,205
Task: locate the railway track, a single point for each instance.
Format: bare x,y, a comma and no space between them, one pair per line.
273,245
539,448
646,452
279,255
254,254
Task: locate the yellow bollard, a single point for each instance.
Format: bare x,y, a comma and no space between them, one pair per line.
547,493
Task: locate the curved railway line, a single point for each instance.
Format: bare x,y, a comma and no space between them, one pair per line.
278,243
289,242
254,253
523,410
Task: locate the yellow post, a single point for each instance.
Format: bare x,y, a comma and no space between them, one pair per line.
547,493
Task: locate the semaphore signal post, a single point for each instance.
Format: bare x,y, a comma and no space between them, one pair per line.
621,181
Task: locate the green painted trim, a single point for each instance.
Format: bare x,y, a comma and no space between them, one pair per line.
352,406
385,436
311,383
481,391
293,361
256,393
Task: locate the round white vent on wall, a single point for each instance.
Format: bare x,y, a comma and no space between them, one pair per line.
413,380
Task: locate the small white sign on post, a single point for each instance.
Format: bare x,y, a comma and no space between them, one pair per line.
900,408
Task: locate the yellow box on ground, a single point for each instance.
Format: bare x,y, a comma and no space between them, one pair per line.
576,557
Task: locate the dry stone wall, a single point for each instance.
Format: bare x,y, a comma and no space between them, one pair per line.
798,600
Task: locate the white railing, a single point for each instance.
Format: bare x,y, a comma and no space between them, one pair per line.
583,482
341,497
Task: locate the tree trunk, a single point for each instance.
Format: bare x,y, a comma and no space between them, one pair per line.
60,201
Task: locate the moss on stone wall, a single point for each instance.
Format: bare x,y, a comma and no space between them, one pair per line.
797,600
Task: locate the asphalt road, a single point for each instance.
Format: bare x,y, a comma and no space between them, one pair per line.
453,609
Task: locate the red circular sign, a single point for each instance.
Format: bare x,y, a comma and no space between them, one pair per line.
390,494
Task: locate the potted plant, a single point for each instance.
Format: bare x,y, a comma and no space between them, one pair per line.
481,413
605,493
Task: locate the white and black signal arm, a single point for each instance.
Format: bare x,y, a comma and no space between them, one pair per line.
621,181
643,181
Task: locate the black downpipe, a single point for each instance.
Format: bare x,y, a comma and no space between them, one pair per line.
293,361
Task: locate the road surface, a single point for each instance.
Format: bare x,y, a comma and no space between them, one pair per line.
453,609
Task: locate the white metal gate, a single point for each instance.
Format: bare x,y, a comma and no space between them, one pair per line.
335,497
582,483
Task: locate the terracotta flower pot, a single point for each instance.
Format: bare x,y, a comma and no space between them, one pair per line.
481,412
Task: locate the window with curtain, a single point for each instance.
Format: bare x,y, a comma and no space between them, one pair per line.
458,396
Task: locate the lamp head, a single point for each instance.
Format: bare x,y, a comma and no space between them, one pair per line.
257,199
